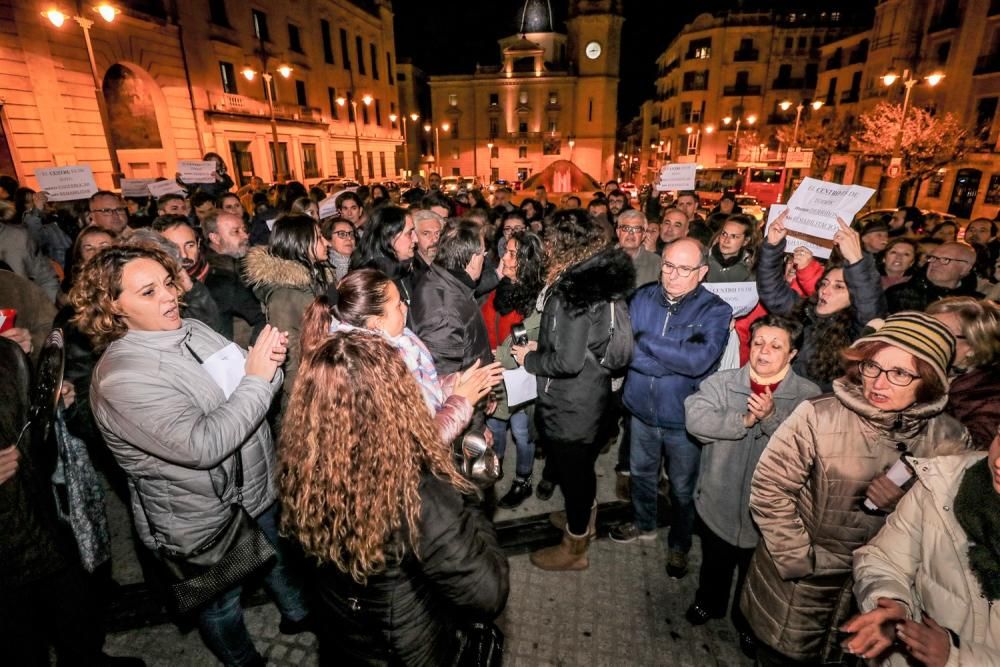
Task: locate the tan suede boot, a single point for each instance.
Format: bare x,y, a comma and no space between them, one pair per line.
570,554
558,519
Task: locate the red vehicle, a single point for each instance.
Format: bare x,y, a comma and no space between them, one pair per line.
765,184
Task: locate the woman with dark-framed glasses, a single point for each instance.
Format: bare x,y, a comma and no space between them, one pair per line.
343,238
825,483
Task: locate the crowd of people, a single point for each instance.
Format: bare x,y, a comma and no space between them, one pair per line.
235,360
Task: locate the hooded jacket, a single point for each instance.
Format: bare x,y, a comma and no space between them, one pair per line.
921,559
174,432
806,498
573,387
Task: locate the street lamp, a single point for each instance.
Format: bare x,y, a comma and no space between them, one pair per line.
107,12
750,120
891,193
786,105
341,101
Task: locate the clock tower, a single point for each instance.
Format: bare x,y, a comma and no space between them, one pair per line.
594,30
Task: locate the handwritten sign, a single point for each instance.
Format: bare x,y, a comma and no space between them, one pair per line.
677,177
66,183
137,188
821,248
197,171
328,207
741,297
165,187
815,205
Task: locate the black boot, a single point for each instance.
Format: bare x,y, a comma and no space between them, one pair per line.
545,489
519,491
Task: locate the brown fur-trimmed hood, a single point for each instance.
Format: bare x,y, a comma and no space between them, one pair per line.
261,268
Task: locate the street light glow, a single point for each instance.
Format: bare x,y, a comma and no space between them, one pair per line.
817,104
890,77
341,101
709,129
55,17
248,73
689,129
934,78
367,99
414,117
751,120
785,105
107,11
285,70
427,127
393,117
445,126
727,120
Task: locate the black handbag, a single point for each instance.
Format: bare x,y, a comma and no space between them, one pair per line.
483,646
232,554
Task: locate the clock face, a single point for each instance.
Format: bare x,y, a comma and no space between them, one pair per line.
593,50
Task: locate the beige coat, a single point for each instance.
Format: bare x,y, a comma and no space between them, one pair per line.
806,496
920,557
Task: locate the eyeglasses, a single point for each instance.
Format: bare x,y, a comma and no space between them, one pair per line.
344,235
628,229
682,271
110,211
896,376
945,261
514,230
727,235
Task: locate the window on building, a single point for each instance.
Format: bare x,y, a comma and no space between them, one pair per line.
351,118
495,153
522,152
228,73
695,80
993,193
522,97
378,113
789,42
494,99
217,13
268,88
454,130
812,74
936,183
364,114
742,79
454,153
282,165
452,100
692,144
522,174
943,50
324,27
374,56
388,69
310,163
381,163
553,125
359,48
784,72
300,93
835,16
553,98
699,49
371,165
802,43
494,127
341,163
345,49
686,108
334,107
590,110
494,174
522,127
294,38
986,111
260,25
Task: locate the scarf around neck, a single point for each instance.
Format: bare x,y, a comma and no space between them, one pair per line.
977,509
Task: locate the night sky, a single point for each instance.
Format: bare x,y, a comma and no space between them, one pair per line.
451,36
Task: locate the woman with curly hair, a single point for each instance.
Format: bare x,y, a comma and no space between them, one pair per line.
584,276
848,297
177,432
405,564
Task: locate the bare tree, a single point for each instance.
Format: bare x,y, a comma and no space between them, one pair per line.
825,135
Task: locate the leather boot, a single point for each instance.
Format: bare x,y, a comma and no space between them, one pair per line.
558,519
570,554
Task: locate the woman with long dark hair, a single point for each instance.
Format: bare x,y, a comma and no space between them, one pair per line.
405,565
388,245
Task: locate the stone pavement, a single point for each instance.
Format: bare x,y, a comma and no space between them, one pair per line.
624,610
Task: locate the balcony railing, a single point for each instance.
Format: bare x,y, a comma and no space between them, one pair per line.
740,91
988,64
789,84
834,62
248,106
746,56
858,55
779,119
850,96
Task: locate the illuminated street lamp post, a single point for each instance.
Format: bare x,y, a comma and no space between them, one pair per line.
751,119
107,12
891,192
341,101
249,74
786,105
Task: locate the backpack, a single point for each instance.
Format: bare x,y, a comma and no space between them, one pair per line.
618,352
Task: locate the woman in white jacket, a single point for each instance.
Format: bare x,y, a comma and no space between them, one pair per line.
929,580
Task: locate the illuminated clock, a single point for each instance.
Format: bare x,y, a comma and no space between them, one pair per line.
593,50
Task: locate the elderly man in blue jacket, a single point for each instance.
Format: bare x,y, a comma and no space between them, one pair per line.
681,330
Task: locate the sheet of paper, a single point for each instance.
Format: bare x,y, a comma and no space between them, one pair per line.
136,188
815,205
227,367
328,207
792,241
520,385
197,171
165,187
741,297
677,177
66,183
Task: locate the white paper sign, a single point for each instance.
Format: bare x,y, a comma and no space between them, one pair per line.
197,171
328,207
799,159
677,177
165,187
791,241
815,205
66,183
227,368
520,385
741,297
136,187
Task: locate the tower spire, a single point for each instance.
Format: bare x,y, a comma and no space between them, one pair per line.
536,16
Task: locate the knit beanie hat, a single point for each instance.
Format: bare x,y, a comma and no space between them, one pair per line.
919,334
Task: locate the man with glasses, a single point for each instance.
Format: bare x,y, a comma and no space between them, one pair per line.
108,211
680,331
946,273
631,232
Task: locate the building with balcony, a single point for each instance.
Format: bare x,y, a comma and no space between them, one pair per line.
185,78
552,97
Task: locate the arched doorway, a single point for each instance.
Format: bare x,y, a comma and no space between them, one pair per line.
964,193
131,110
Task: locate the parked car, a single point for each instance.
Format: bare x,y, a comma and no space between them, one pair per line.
630,189
336,183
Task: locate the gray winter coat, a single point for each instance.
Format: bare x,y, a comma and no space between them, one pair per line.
173,431
715,417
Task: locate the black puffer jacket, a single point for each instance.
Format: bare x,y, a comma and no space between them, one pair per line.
573,388
412,614
446,317
232,294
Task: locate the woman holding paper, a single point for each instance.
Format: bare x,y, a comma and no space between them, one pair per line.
179,430
824,483
848,297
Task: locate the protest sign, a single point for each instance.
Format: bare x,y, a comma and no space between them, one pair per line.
677,177
741,297
165,187
815,205
328,207
799,159
818,247
136,188
66,183
197,171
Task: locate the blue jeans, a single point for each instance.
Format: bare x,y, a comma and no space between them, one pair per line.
221,622
647,445
522,440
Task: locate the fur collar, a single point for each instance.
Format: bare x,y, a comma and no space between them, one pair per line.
606,276
261,268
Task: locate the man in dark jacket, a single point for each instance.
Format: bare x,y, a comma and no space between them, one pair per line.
228,243
681,330
945,274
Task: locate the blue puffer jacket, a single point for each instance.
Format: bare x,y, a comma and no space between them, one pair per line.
676,347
